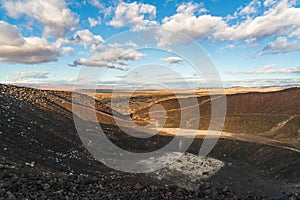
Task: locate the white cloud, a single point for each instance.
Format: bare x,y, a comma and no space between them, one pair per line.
281,45
229,46
35,50
57,19
67,50
114,57
251,8
279,18
269,2
267,69
172,60
10,35
96,3
104,9
134,14
27,50
82,79
263,82
276,20
121,75
26,76
87,38
296,33
290,70
185,22
129,44
94,22
36,77
270,69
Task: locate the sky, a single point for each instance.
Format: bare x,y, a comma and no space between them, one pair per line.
240,43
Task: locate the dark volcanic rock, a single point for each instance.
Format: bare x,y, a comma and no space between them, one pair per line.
42,156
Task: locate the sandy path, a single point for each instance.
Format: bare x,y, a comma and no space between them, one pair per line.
282,124
225,135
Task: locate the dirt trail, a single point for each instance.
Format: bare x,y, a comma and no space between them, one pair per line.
281,124
225,135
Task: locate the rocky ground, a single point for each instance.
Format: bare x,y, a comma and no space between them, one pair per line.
42,157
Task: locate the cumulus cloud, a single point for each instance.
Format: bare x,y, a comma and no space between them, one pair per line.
185,22
94,22
251,8
10,35
172,60
281,45
67,50
103,7
115,57
57,19
86,38
137,15
279,18
96,3
35,50
276,20
27,50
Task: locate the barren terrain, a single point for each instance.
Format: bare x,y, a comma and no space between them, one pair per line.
43,157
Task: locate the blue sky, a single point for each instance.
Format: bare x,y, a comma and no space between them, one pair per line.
251,43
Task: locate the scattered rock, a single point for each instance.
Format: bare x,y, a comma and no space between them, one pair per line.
138,186
46,186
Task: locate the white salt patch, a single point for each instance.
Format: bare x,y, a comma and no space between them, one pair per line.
187,168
